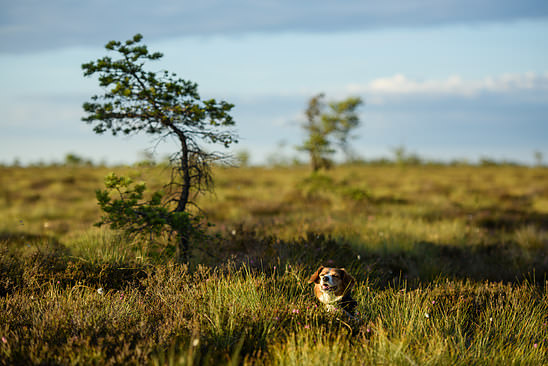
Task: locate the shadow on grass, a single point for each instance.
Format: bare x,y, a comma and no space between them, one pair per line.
424,262
509,219
29,261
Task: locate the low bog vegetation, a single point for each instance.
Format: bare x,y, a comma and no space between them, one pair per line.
451,264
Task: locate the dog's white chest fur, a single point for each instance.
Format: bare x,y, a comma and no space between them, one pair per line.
329,298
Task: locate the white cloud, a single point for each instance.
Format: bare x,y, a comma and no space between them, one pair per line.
455,85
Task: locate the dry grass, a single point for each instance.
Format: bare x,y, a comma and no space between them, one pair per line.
451,265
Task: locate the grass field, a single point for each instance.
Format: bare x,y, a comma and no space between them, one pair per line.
451,263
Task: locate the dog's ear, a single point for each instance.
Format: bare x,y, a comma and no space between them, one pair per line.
315,278
348,280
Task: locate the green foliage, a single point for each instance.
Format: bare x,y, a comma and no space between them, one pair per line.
329,125
136,216
157,103
75,160
402,157
242,157
139,100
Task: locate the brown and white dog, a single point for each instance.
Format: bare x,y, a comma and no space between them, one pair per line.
333,286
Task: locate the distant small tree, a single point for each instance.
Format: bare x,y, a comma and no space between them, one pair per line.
402,157
328,126
243,157
75,160
538,157
157,103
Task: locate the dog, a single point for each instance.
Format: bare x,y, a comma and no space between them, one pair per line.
333,286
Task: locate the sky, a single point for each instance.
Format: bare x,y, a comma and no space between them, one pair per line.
447,80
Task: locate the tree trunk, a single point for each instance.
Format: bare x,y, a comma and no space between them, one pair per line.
184,168
182,248
314,162
183,245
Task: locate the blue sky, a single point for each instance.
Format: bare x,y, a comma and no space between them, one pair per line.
446,79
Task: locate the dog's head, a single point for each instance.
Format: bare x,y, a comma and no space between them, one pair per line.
335,280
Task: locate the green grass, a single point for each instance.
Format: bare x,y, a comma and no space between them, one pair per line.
451,264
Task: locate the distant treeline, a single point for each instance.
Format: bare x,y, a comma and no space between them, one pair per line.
242,159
